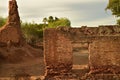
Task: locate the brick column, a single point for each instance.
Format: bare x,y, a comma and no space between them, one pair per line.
11,31
57,53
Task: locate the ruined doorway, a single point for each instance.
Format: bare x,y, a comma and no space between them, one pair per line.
80,55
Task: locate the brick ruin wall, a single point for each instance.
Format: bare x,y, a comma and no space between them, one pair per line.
103,48
58,52
104,55
13,47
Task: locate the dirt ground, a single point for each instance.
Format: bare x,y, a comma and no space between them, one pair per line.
36,67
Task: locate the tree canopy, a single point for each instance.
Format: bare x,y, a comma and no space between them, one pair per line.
54,22
114,6
2,21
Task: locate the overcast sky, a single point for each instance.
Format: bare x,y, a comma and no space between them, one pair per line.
79,12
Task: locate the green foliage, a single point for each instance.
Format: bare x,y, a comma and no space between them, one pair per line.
56,19
2,21
114,6
50,19
45,20
61,22
55,22
118,21
32,32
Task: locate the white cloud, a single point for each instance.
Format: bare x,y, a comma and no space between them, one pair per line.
80,12
104,21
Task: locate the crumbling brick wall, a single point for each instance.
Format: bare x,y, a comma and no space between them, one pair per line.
105,55
103,47
57,52
13,47
11,31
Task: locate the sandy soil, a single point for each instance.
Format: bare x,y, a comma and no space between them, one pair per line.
34,67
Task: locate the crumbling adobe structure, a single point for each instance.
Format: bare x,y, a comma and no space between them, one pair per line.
13,48
11,31
103,44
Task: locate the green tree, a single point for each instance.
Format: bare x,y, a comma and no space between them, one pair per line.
45,20
66,22
118,21
2,21
56,18
54,22
32,32
50,19
114,6
60,22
